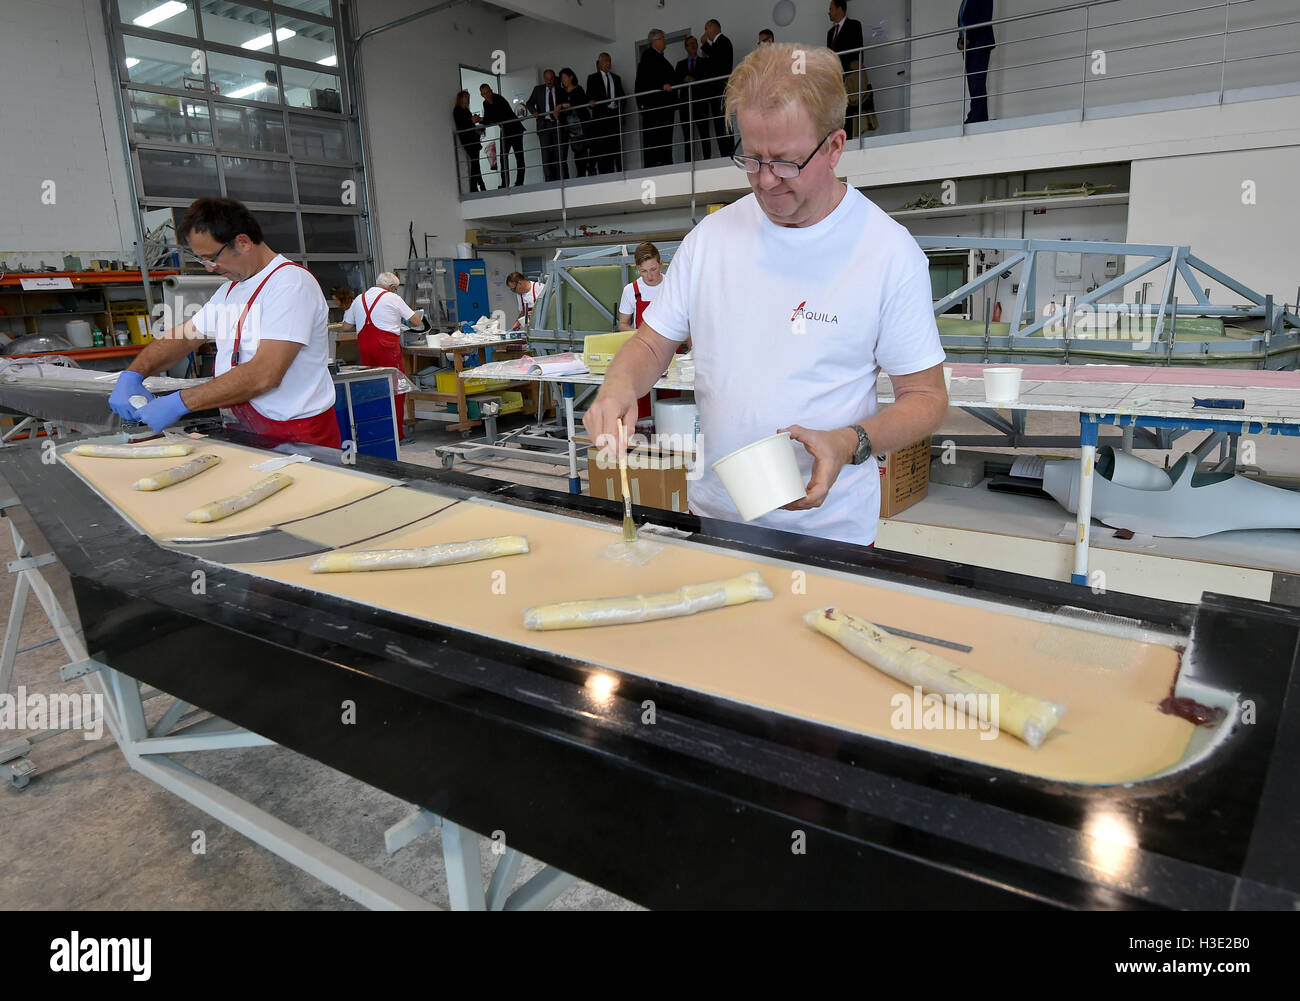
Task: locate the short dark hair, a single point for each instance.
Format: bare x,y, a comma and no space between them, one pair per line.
515,276
223,219
646,252
841,4
715,22
568,71
768,33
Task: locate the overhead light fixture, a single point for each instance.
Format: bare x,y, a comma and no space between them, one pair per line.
246,91
160,13
328,61
132,61
264,41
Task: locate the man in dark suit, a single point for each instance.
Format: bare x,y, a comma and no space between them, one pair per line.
844,36
718,51
604,88
693,108
975,40
542,102
497,111
654,82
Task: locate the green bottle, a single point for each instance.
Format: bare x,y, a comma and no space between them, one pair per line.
97,339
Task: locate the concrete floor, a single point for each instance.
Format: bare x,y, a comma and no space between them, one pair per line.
90,833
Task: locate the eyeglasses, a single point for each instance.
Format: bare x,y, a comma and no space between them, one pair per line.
784,169
208,262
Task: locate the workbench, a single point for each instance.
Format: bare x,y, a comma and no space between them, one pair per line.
1155,403
414,358
538,448
699,808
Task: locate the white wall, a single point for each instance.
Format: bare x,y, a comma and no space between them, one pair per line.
58,122
1198,201
409,77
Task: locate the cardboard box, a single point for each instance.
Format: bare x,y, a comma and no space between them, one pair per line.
654,479
904,477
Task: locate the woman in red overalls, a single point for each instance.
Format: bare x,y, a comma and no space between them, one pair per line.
377,345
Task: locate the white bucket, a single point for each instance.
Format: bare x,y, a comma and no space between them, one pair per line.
762,476
78,333
677,422
1002,385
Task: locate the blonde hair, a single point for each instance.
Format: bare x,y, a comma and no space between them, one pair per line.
783,73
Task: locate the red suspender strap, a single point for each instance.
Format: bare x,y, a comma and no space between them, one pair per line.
636,290
239,327
372,305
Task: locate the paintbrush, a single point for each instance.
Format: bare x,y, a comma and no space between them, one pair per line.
629,528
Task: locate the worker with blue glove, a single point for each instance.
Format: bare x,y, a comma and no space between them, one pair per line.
269,324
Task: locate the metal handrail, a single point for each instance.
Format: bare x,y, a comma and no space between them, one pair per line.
683,113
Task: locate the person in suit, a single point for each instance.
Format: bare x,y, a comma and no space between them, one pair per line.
542,102
604,90
718,51
694,109
975,41
470,134
654,82
843,37
497,111
574,116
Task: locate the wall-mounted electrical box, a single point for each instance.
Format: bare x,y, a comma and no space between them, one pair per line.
1069,265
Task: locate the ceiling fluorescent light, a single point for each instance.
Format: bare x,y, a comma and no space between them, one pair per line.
246,91
160,13
264,41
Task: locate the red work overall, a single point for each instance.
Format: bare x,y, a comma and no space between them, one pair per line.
382,349
322,429
644,406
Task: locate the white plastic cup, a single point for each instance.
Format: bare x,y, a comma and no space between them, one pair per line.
1002,385
762,476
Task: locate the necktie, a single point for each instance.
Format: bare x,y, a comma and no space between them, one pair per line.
836,36
550,99
692,69
609,90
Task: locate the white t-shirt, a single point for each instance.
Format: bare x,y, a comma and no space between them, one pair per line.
387,310
290,307
627,304
790,325
528,299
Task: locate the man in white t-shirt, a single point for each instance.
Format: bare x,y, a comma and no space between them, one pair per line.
529,293
795,297
269,324
637,295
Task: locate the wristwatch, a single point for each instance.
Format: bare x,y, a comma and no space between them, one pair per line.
863,452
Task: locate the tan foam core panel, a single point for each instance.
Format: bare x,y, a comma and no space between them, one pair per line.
759,654
161,513
762,653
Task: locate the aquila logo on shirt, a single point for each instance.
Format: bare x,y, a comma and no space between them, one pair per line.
802,316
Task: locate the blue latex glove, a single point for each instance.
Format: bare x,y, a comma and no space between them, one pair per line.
164,411
129,384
